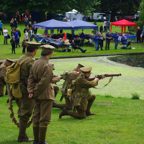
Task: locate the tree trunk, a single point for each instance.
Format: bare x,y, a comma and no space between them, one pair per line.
43,16
113,15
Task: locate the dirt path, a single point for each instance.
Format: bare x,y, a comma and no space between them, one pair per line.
132,79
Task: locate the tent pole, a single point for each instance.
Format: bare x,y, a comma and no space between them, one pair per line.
121,30
72,34
111,28
125,29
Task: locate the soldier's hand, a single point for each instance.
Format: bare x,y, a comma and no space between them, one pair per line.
30,95
96,79
60,77
103,76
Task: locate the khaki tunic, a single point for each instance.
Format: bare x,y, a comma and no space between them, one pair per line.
25,104
82,90
40,84
2,81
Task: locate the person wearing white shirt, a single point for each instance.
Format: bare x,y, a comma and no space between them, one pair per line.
25,39
5,31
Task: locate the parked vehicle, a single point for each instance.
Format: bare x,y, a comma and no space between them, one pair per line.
98,16
136,16
129,18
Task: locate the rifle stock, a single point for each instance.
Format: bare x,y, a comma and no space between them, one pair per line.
100,76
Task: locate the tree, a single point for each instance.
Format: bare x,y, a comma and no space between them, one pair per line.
141,15
53,6
61,6
123,6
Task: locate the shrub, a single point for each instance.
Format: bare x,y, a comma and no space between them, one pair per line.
135,95
108,96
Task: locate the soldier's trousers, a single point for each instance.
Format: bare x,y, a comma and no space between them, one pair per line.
67,105
42,111
81,110
26,106
1,90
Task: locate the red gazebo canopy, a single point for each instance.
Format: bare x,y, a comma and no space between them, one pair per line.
123,23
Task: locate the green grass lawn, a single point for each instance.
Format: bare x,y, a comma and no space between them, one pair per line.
121,122
118,123
5,50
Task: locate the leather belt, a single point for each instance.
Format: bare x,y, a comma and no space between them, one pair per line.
37,81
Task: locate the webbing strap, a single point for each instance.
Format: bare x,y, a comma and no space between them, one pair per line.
24,60
105,84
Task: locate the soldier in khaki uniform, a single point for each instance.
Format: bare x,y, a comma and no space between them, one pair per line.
25,104
3,66
82,92
56,88
71,75
41,88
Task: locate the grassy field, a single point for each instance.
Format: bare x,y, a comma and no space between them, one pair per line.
118,121
5,50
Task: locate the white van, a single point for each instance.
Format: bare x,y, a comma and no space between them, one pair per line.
97,16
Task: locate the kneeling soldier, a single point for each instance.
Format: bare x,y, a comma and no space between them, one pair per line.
81,95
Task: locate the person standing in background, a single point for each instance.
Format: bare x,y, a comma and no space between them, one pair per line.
143,34
19,34
138,34
30,33
1,26
104,26
25,20
96,41
25,40
13,44
107,25
12,23
5,31
34,28
15,23
96,25
108,39
116,39
101,35
101,28
16,38
30,19
30,25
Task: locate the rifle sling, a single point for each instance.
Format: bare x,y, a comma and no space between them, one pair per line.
105,84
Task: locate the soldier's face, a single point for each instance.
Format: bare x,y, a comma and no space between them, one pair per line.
87,74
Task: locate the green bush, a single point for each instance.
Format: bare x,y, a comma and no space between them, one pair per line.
135,95
108,96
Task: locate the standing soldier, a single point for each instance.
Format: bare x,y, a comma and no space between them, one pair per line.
81,95
41,88
71,75
3,66
25,104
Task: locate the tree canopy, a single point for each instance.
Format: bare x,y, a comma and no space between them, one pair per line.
53,6
123,6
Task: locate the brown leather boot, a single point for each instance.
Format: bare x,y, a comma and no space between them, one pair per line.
88,113
22,132
64,112
42,134
24,139
36,132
